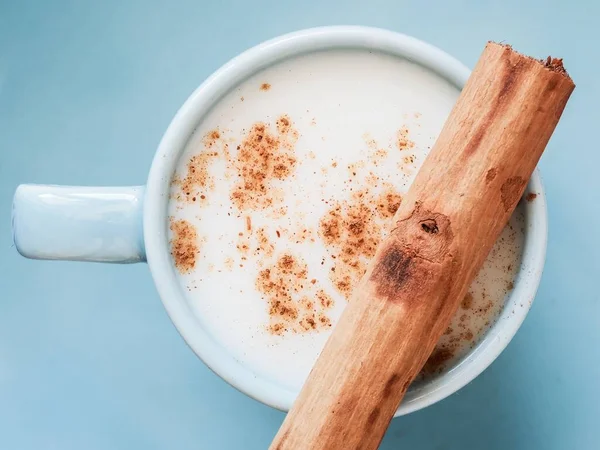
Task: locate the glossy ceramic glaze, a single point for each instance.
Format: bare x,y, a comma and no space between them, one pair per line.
103,224
79,223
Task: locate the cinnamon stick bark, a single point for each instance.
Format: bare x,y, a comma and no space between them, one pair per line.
446,225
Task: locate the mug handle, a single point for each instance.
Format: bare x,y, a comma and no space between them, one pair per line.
77,223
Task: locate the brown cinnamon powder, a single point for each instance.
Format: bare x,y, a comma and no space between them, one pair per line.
198,181
286,287
211,138
262,158
388,202
402,140
254,244
184,245
284,124
351,232
531,197
264,245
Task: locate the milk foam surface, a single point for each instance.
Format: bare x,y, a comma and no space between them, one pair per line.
355,112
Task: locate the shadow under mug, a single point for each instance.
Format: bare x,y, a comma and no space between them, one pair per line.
129,224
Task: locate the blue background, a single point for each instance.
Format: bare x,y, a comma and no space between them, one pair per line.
89,358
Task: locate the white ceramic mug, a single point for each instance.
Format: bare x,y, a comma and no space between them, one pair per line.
129,224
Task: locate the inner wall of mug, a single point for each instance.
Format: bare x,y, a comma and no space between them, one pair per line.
182,127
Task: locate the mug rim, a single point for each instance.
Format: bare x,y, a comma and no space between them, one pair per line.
185,122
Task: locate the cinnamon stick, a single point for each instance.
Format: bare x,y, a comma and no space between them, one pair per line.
446,225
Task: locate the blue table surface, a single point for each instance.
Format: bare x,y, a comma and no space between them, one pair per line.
88,357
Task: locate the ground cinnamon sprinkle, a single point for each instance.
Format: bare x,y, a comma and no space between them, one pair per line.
301,234
265,87
380,154
388,202
324,299
184,245
264,245
243,244
198,180
254,244
277,197
370,141
283,124
331,230
262,158
376,155
403,142
211,138
531,197
285,285
351,231
288,134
